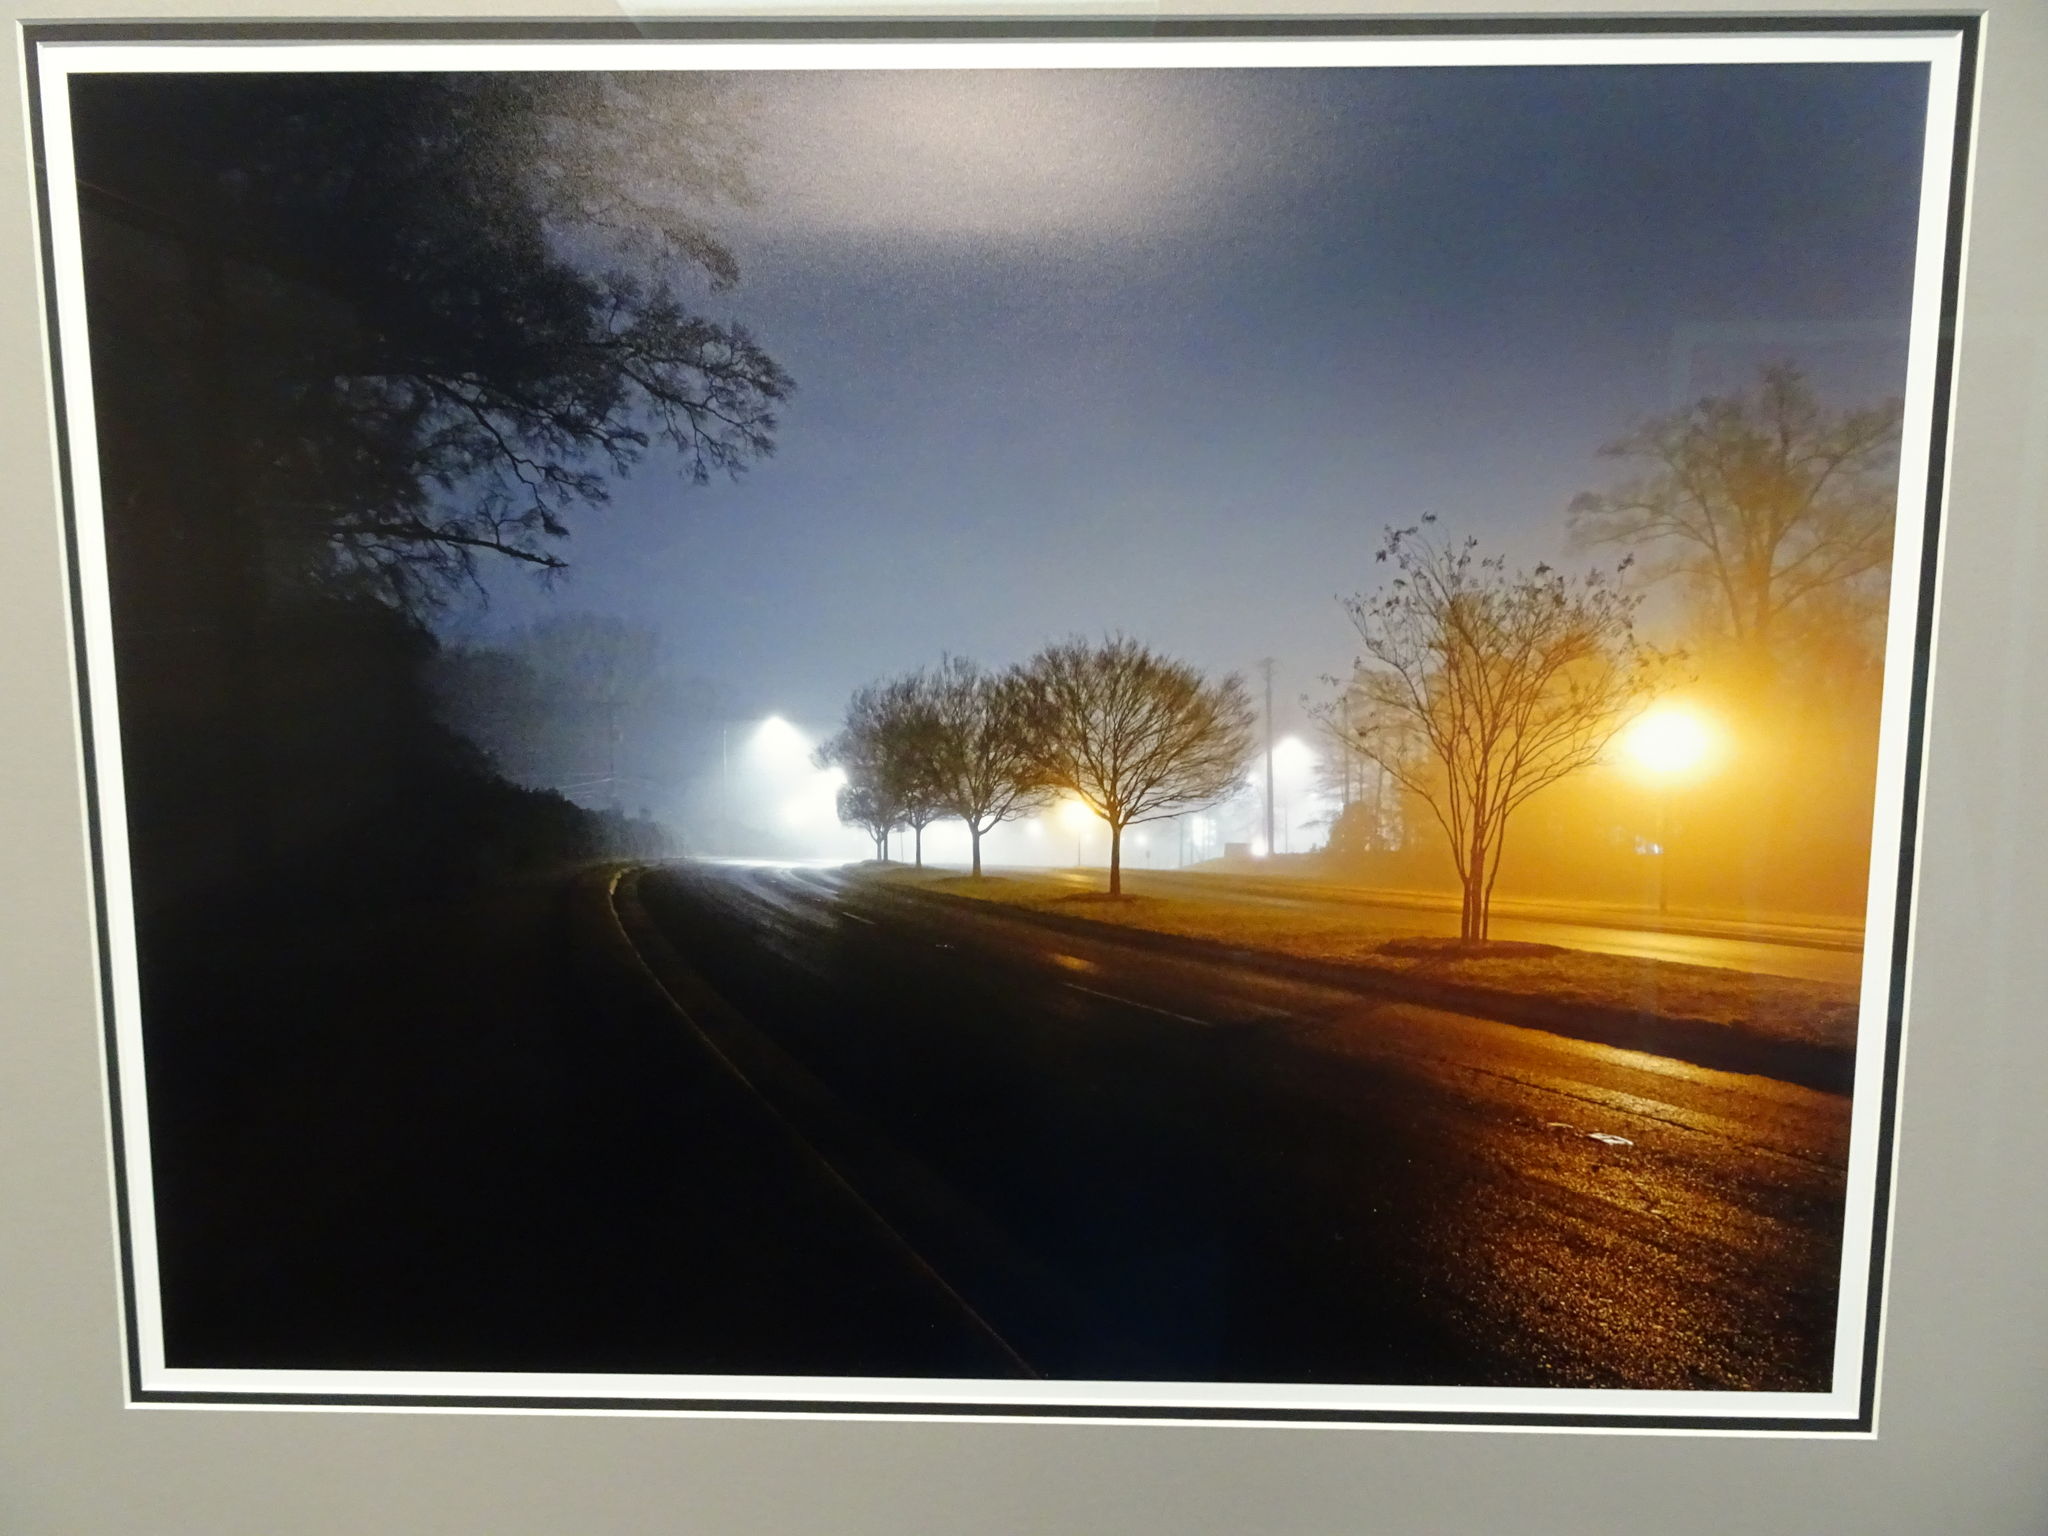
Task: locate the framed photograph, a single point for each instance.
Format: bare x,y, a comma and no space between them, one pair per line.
1145,721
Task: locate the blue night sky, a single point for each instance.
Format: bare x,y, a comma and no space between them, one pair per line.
1164,351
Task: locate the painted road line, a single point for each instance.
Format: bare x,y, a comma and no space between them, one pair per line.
1131,1002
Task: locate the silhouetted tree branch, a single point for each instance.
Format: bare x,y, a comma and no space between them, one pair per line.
888,748
1766,505
1480,686
1134,735
986,766
432,314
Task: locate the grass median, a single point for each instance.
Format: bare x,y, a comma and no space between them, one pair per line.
1740,1015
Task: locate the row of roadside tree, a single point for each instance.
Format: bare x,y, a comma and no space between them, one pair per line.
1479,687
1132,734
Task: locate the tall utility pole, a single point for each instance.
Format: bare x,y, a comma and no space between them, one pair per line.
1266,666
1344,746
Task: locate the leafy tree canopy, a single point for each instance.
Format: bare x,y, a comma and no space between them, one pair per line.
426,315
1773,511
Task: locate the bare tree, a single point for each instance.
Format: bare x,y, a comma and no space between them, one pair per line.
864,806
1767,506
1136,736
1480,686
888,749
986,765
912,741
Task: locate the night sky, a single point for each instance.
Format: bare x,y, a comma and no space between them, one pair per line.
1164,351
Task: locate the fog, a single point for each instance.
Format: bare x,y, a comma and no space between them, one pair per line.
1169,373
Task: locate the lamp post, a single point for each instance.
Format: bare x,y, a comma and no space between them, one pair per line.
1663,847
1266,666
1077,815
769,739
1293,761
1668,744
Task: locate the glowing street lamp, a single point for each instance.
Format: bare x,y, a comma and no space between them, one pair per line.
1078,817
776,738
773,740
1668,744
1293,762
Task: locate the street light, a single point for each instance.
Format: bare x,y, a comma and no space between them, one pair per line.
1668,744
1293,761
772,744
777,738
1077,815
1669,741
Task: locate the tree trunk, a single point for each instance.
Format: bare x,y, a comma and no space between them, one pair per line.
1493,854
974,834
1116,859
1482,895
1475,888
917,841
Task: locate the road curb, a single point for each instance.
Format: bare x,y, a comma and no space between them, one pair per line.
1702,1042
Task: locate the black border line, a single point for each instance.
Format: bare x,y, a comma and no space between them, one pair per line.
958,28
1968,28
94,828
1161,1415
1942,427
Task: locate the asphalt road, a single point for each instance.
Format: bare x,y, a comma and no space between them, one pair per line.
1807,954
1139,1166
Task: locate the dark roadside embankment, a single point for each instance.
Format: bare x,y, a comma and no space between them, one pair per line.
467,1134
1793,1030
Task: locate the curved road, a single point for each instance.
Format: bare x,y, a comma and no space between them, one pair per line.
1144,1166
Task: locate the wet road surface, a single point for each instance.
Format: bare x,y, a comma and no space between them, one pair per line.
1140,1166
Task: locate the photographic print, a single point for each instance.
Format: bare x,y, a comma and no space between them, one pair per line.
1134,721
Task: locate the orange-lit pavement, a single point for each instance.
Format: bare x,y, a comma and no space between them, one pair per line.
1137,1165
